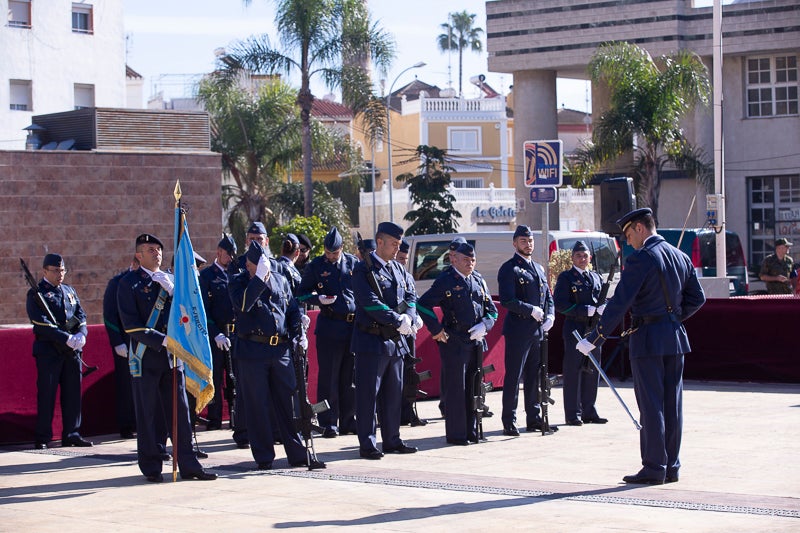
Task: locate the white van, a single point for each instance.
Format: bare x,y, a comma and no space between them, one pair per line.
428,254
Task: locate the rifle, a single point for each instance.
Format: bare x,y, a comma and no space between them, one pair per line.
305,412
411,381
601,299
545,400
480,388
71,325
387,331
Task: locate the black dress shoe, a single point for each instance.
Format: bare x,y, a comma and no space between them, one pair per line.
416,421
671,478
126,434
202,475
155,478
370,454
487,413
200,454
315,464
213,426
458,442
166,457
511,431
534,425
243,445
595,420
642,479
574,422
264,466
402,449
40,446
330,433
78,441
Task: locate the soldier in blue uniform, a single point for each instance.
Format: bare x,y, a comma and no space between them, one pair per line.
523,288
385,310
219,313
126,416
57,347
328,283
290,252
408,414
660,287
576,297
267,323
468,314
144,297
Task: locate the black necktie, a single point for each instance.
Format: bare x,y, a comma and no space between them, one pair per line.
588,279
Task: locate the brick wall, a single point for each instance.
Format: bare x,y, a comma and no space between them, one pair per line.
89,207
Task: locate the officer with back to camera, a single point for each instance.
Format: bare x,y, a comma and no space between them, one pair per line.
576,297
523,288
660,287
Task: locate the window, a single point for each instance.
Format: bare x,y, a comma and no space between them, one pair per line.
82,18
431,258
467,183
19,13
772,86
84,96
774,212
464,140
20,95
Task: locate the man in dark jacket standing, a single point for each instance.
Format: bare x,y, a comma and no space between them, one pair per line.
660,287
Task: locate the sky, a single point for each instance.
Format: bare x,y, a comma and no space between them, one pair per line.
180,37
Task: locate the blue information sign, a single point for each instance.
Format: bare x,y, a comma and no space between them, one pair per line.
544,195
543,163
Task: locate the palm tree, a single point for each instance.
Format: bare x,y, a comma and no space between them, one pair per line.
326,38
647,100
259,136
460,35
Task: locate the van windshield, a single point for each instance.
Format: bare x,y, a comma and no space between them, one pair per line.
604,251
431,258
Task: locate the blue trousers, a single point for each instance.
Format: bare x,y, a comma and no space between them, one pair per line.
126,415
335,382
152,397
522,359
54,371
269,382
458,369
658,384
580,386
379,388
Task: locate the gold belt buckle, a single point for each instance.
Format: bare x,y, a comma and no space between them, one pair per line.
350,317
273,341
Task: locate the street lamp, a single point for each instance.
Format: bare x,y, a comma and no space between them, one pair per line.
389,134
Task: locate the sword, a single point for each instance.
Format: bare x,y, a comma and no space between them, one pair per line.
608,381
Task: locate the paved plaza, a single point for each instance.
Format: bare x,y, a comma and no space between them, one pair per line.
740,455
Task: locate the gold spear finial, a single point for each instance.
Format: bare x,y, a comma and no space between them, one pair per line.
177,192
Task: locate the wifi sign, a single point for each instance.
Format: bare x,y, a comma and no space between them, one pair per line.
543,163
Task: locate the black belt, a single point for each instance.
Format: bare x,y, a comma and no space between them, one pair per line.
386,332
274,340
637,321
458,328
581,319
327,313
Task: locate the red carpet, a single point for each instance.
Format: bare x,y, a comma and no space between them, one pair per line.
740,339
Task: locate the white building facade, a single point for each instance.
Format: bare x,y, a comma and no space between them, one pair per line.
58,55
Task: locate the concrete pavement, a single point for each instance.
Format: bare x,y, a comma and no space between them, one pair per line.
741,472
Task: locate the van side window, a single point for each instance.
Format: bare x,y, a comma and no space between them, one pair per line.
603,249
430,258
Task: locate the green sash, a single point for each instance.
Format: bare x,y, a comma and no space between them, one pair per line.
135,356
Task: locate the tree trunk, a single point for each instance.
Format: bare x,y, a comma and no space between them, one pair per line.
306,99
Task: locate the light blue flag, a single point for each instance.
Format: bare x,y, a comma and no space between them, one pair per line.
187,334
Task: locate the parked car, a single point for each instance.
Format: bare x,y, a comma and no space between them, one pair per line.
700,244
428,254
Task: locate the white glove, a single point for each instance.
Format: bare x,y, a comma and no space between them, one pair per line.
79,340
477,332
262,270
72,341
600,309
590,310
405,327
164,342
165,280
327,300
305,321
537,313
303,342
121,350
548,323
418,323
223,342
585,347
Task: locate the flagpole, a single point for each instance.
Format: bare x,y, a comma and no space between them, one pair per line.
177,194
